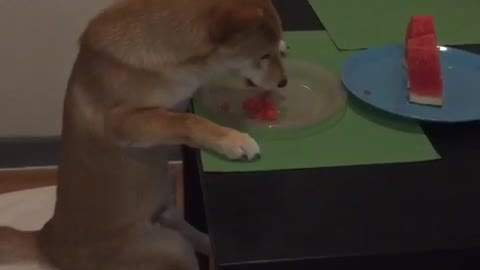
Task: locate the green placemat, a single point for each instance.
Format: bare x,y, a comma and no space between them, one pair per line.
356,24
361,137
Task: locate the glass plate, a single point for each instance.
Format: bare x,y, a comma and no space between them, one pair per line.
313,100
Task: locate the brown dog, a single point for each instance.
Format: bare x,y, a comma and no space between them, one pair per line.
138,60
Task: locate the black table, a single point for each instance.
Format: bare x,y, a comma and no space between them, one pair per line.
399,216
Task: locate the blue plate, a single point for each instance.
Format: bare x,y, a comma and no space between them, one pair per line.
377,77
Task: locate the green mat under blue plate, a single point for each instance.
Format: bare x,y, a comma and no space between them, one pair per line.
363,136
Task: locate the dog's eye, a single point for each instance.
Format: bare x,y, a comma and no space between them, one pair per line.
266,56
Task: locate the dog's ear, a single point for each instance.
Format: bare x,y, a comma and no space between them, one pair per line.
227,22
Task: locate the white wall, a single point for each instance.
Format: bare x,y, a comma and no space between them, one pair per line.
38,43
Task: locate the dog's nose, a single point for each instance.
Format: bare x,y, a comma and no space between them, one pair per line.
249,83
282,83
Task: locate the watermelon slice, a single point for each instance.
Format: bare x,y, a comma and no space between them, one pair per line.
424,71
422,62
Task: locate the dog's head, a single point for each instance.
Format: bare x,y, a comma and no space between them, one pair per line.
247,35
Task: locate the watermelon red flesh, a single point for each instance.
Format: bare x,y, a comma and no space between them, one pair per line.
270,115
261,107
252,104
424,71
420,25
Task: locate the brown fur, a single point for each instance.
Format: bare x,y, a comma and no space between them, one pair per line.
137,61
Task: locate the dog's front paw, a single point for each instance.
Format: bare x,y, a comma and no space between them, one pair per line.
238,145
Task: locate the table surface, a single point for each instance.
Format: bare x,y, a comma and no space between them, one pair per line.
297,218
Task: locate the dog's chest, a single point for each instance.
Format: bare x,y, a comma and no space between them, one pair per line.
173,98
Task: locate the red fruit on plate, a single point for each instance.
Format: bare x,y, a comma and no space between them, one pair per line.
423,65
252,105
418,27
261,107
268,104
424,71
257,116
270,115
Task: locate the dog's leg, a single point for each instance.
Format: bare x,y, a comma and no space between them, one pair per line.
147,127
155,248
171,218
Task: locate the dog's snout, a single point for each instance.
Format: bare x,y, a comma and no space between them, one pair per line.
283,83
249,83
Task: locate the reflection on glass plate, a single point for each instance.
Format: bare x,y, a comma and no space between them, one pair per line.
313,100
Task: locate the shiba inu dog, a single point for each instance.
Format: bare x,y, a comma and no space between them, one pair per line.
137,61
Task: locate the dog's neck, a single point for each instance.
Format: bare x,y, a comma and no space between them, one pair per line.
190,79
